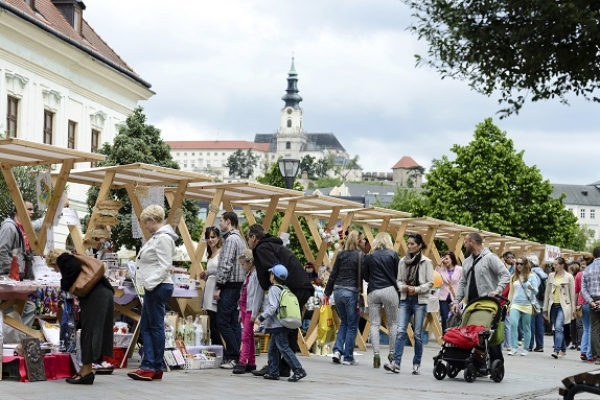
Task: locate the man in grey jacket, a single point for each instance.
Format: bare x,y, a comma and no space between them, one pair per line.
484,274
14,239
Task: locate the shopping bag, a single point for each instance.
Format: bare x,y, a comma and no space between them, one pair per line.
326,328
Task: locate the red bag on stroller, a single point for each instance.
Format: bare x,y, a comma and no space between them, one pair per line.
465,338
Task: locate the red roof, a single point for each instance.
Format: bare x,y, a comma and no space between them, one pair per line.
46,13
406,162
218,144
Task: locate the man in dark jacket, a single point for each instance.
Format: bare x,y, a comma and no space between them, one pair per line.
268,251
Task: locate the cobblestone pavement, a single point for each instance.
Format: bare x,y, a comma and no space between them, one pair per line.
536,376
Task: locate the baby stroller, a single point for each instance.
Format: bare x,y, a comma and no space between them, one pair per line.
475,360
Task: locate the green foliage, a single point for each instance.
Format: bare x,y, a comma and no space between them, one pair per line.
308,165
527,50
349,164
138,142
242,164
582,238
274,178
325,182
25,177
323,165
406,199
489,186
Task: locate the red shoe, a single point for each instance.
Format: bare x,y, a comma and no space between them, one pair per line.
141,375
157,376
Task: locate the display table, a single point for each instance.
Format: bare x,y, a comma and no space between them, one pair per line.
57,366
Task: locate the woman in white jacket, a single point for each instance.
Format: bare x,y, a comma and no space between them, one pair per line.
415,279
154,268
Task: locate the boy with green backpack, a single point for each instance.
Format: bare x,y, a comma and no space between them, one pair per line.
281,311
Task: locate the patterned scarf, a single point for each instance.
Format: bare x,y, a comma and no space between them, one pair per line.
412,265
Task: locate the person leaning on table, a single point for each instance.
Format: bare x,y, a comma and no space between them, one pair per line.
96,315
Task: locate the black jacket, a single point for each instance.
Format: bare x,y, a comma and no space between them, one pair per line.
270,251
345,271
380,269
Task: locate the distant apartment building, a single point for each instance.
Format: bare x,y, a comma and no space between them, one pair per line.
584,202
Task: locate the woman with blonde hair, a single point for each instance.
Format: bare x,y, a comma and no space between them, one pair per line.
522,295
344,283
154,268
380,270
96,315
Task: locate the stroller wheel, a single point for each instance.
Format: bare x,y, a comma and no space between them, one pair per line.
497,371
439,371
470,373
452,371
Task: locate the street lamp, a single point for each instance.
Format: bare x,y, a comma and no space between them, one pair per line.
289,169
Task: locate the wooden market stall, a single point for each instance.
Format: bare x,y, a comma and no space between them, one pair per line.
20,153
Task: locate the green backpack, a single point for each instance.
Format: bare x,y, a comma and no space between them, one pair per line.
289,309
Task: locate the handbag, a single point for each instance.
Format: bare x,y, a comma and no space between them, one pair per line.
578,312
92,270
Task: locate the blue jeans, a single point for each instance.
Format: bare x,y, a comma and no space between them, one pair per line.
152,326
558,321
228,323
537,332
517,319
444,311
345,304
410,308
279,346
586,346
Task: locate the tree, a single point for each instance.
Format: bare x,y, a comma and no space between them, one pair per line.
326,182
138,142
308,165
25,177
582,238
323,165
348,165
405,199
274,178
413,175
242,164
488,186
534,50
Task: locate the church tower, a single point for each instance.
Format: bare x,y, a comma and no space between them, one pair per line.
291,139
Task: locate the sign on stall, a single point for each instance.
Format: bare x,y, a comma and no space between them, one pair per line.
70,217
552,252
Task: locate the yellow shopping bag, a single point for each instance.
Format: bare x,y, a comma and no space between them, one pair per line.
326,329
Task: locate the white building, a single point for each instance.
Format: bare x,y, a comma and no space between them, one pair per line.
584,202
289,141
60,83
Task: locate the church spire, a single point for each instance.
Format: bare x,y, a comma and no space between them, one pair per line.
292,98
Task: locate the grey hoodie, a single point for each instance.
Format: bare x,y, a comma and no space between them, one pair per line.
9,240
491,275
154,264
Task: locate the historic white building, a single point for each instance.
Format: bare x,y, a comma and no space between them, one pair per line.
584,202
289,141
60,83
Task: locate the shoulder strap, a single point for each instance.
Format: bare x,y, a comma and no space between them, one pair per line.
359,287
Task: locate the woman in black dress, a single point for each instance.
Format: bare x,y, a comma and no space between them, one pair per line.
96,316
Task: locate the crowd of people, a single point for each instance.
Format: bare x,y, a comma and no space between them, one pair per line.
243,289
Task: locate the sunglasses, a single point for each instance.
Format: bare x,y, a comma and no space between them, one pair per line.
519,263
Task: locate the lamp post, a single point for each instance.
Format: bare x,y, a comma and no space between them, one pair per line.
289,169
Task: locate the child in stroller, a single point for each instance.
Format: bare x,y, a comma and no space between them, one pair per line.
482,324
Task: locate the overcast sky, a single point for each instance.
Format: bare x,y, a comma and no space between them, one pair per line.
219,69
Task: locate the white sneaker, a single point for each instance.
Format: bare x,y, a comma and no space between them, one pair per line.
416,369
511,352
336,357
524,352
353,362
392,367
229,364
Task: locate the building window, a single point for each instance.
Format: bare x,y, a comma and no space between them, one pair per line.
12,116
193,154
288,145
222,154
193,164
77,19
199,154
185,154
95,144
289,123
216,154
592,214
570,209
71,134
185,164
582,213
48,122
177,154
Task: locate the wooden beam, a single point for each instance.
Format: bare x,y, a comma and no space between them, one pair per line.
57,192
270,212
136,205
196,266
322,254
249,214
102,195
302,239
399,244
177,199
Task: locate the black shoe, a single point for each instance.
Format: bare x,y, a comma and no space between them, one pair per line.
271,377
250,368
284,372
298,374
261,372
239,369
82,380
538,350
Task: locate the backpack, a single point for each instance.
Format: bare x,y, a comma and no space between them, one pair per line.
541,288
289,309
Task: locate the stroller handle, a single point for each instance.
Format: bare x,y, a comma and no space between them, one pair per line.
500,297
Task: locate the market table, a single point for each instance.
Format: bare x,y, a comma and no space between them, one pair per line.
57,366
